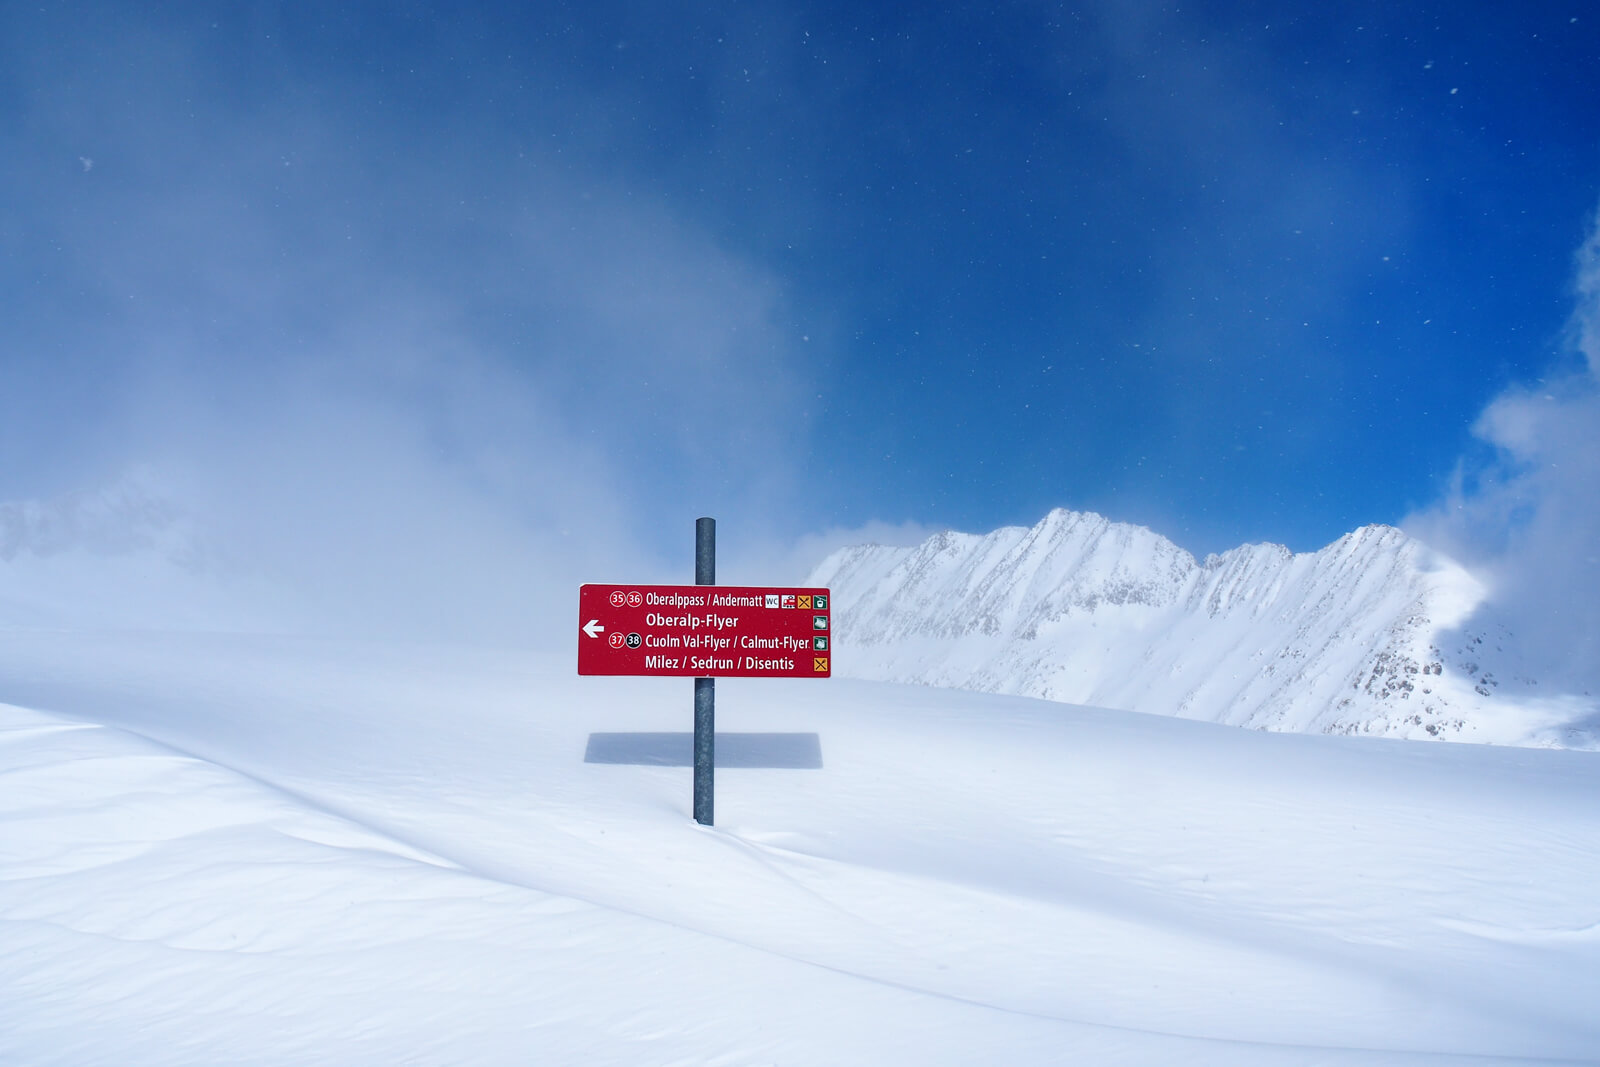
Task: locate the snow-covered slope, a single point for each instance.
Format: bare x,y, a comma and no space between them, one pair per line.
269,851
1374,634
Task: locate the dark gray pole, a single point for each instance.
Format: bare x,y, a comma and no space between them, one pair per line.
705,715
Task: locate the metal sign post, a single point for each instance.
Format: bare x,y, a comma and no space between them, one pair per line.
695,631
705,693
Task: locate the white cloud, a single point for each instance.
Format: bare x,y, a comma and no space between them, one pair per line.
770,564
1586,316
413,391
1529,518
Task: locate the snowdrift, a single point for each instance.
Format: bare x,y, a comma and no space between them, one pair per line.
254,850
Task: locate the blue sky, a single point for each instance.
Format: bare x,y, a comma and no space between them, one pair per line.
1237,271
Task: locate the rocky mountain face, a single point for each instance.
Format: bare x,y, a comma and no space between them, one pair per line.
1374,634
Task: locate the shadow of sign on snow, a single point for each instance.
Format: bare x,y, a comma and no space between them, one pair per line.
772,751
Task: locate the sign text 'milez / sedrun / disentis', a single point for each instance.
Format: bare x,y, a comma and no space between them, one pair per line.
714,663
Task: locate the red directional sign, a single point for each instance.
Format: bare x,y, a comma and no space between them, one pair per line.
705,631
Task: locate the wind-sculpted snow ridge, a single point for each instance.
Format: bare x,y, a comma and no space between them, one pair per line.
1374,634
238,849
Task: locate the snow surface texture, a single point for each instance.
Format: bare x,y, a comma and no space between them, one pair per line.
1375,634
265,850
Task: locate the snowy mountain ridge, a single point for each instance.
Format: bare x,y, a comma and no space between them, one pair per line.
1375,634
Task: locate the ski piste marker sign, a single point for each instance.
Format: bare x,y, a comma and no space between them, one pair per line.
705,631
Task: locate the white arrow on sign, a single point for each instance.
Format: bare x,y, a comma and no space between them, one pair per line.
593,628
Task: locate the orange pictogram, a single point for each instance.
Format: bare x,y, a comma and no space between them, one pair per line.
819,663
803,601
